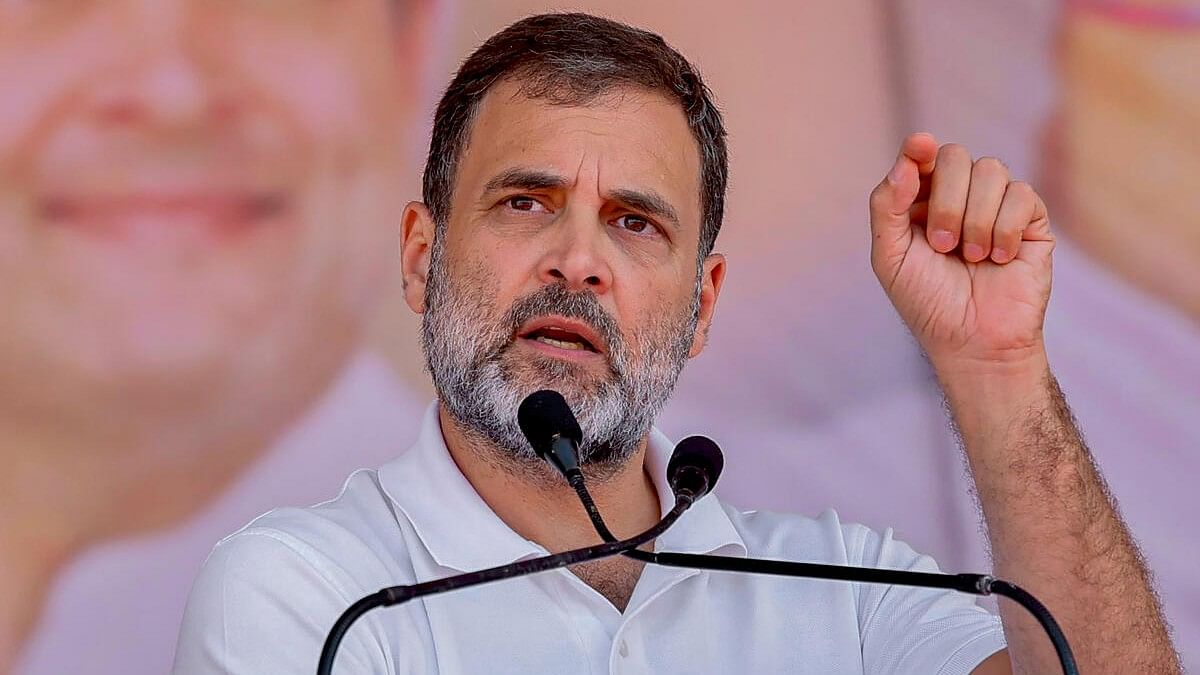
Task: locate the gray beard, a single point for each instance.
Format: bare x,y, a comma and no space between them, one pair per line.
480,381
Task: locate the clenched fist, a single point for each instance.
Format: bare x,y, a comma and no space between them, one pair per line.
963,251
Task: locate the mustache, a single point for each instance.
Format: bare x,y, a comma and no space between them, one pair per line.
582,306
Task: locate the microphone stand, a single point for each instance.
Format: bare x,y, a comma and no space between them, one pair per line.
975,584
395,595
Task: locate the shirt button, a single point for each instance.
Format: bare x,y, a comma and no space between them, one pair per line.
623,649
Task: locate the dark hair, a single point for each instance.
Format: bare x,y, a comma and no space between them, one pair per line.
572,59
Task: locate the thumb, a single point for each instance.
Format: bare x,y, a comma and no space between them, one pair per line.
891,200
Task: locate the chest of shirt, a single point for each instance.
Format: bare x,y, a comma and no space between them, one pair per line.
677,621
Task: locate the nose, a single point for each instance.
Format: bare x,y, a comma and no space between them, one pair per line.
577,254
164,77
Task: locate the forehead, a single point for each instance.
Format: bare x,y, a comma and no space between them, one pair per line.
626,138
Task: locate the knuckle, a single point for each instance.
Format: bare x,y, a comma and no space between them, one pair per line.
878,198
990,166
974,227
954,151
1021,190
1007,236
944,217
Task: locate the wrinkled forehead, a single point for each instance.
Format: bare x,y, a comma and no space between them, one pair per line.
625,138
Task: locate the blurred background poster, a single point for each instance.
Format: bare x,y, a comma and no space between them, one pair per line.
198,214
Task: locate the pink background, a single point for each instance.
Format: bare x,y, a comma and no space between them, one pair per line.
811,384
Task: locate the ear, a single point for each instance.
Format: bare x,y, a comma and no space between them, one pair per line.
712,277
417,231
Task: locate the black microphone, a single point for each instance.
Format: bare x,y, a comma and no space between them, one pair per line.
552,430
554,433
694,467
692,471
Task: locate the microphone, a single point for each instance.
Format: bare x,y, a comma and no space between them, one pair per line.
554,433
552,430
694,467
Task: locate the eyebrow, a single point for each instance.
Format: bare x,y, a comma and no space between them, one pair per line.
647,201
524,179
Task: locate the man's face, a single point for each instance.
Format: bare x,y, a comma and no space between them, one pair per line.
193,193
570,262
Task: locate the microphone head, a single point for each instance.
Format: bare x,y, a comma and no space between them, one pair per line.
543,416
695,466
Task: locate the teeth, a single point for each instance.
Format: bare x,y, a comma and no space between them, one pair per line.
559,343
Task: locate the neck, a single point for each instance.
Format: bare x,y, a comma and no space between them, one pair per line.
42,527
32,551
538,504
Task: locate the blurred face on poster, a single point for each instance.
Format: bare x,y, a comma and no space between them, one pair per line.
197,200
1127,123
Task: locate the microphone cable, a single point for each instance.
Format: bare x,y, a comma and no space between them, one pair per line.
974,584
394,595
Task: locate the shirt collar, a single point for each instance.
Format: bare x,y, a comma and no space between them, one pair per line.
461,532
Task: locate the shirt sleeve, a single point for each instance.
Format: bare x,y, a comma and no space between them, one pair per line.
263,603
908,630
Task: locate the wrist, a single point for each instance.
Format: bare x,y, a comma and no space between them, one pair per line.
989,397
1015,371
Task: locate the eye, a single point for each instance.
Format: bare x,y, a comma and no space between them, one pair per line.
635,224
523,203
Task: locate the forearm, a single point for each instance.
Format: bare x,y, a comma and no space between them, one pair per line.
1053,526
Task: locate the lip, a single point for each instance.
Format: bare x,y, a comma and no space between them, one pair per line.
119,214
577,327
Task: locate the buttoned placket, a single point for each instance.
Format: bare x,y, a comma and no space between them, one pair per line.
627,654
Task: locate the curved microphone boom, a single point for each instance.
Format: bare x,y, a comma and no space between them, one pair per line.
395,595
693,470
548,423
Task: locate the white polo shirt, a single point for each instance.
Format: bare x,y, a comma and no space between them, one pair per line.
268,594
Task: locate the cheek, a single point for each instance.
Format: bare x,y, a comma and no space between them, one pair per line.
503,265
656,318
343,107
340,88
44,76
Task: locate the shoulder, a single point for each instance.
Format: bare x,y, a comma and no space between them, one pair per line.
901,628
268,593
823,538
354,535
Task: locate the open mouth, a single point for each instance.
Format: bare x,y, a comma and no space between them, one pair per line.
563,339
557,333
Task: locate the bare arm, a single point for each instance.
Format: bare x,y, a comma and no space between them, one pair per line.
1054,529
964,254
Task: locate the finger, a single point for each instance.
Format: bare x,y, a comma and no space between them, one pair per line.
890,202
1015,214
922,148
894,196
989,180
948,197
1039,223
1037,242
918,214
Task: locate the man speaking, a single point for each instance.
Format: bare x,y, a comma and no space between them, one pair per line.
573,193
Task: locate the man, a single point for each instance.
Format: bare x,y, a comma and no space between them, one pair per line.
192,200
573,194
